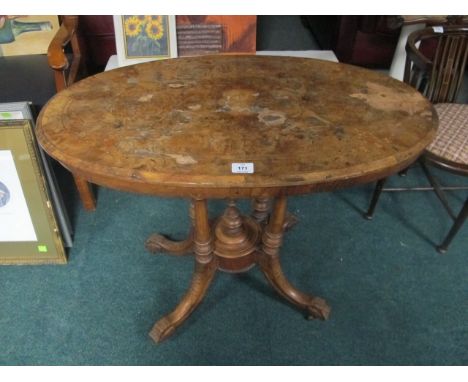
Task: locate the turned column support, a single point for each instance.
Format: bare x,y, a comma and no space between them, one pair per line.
261,207
203,241
236,239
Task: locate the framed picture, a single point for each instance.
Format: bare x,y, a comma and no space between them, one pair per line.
29,233
20,35
144,38
22,110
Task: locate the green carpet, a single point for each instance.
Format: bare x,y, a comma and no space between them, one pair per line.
395,300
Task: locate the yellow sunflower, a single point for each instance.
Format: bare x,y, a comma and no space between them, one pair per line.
132,26
154,30
159,19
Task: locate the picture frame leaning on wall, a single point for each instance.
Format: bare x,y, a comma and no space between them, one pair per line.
29,233
24,110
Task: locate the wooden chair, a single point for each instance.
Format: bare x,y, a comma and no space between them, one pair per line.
66,57
435,65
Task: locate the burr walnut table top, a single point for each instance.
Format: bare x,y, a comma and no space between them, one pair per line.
174,127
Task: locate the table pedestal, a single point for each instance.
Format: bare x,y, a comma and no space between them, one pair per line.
232,243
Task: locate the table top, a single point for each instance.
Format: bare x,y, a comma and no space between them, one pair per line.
328,55
175,127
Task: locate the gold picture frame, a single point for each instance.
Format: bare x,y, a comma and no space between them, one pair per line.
25,110
29,233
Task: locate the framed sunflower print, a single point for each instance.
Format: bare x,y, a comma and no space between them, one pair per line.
144,38
29,233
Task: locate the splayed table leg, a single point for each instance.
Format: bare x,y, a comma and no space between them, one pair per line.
158,243
205,269
268,259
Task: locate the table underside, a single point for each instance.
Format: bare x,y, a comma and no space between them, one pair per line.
233,243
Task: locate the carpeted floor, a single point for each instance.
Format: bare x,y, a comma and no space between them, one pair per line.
395,300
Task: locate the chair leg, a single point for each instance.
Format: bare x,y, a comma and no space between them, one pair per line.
437,189
375,198
86,193
455,227
404,172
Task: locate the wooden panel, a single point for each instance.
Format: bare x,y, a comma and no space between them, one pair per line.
238,32
195,39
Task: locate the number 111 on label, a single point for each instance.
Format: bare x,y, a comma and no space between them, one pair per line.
242,168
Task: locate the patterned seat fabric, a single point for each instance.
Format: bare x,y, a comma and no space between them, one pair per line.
451,142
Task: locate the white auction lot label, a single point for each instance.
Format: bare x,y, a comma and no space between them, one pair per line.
242,168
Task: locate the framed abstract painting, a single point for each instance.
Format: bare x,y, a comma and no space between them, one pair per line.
24,35
144,38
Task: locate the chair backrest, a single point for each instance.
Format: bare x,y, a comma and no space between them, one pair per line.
436,60
66,54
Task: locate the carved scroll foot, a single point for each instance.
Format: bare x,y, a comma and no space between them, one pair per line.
315,307
290,221
318,308
201,280
159,243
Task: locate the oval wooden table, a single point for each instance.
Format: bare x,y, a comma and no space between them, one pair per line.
186,127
